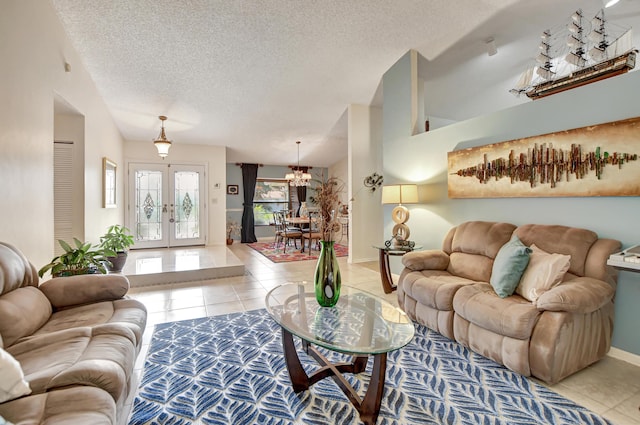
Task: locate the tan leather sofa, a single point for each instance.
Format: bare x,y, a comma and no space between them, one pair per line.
75,338
567,328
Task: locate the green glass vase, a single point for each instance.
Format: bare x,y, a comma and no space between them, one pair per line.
327,277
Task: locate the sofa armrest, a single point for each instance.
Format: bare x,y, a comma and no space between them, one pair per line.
84,289
432,259
579,295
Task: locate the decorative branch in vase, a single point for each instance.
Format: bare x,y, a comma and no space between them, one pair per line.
233,228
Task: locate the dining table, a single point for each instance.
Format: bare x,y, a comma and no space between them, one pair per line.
298,220
303,222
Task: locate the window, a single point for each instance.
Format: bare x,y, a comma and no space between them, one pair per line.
270,195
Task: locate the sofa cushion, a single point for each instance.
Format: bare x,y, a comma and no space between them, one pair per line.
470,266
473,246
432,259
508,267
22,312
513,316
543,273
12,384
15,269
76,405
579,295
562,240
481,237
80,356
83,289
433,288
125,313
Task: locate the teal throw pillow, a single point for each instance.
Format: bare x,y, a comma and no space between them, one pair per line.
508,267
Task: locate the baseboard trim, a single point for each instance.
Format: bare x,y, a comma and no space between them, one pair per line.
616,353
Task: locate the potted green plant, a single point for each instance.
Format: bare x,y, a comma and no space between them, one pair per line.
117,240
81,259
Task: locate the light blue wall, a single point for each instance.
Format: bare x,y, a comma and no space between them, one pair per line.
423,159
396,86
234,202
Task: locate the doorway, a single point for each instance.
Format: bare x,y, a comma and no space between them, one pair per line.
166,205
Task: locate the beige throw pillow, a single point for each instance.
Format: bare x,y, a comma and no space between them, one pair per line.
543,273
12,384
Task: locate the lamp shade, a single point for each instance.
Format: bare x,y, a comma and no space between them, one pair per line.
163,147
162,143
400,194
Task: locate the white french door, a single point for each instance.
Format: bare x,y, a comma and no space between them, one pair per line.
166,205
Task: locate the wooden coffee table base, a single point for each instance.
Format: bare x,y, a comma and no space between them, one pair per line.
369,407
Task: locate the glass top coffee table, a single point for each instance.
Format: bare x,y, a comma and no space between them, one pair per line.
360,324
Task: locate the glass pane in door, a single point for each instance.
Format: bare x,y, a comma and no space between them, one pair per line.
187,204
148,205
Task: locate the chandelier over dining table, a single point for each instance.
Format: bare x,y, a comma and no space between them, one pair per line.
298,177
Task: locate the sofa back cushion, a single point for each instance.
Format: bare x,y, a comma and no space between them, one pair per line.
472,247
561,240
15,269
22,312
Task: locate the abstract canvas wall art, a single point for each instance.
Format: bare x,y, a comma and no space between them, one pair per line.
598,160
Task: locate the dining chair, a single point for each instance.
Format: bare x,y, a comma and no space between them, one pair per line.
284,233
279,227
343,218
291,213
314,233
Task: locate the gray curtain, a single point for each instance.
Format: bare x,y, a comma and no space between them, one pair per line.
249,177
301,192
302,197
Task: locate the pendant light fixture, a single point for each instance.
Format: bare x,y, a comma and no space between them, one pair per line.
162,143
298,178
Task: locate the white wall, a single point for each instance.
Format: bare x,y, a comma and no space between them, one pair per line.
340,170
364,158
34,49
423,159
213,157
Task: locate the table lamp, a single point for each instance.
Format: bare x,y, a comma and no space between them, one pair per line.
400,194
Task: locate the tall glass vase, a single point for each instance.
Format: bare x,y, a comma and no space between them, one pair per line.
327,277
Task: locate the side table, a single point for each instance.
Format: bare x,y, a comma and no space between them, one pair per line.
627,266
385,271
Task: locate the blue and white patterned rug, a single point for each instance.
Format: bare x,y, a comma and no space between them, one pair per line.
230,370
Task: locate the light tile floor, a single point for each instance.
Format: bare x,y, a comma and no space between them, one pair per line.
610,388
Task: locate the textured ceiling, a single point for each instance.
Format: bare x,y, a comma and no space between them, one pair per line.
256,76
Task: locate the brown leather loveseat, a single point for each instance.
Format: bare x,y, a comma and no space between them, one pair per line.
68,347
548,332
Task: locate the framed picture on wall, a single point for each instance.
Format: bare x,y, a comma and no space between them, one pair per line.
232,189
108,183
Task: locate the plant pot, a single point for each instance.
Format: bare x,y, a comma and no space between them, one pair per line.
229,241
74,272
117,263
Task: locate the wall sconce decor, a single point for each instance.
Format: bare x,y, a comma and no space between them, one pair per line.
373,182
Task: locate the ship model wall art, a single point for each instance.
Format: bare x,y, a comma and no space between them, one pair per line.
581,52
